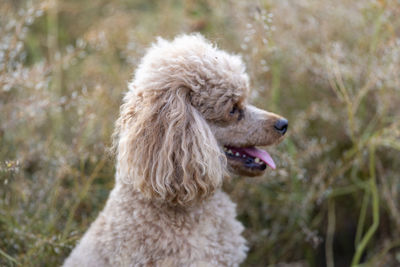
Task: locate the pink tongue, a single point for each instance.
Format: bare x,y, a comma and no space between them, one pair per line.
259,153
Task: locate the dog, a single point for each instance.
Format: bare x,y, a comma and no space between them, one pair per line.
184,128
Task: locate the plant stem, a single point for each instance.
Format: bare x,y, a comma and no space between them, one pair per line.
375,209
330,233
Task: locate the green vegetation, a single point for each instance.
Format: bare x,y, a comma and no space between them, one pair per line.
331,67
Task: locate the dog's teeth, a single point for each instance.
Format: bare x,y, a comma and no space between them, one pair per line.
225,149
237,154
230,151
244,156
257,160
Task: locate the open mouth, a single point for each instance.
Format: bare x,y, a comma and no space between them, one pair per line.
250,157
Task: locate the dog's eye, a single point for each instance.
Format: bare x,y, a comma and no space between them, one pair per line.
234,109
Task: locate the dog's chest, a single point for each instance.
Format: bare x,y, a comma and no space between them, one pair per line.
209,234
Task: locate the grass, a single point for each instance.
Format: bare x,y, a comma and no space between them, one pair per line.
330,67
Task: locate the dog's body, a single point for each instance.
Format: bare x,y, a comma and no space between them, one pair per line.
133,231
184,126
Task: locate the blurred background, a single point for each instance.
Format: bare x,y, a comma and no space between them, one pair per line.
331,67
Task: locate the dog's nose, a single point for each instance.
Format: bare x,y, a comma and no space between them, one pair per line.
281,126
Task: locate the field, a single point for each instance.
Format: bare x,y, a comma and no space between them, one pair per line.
331,67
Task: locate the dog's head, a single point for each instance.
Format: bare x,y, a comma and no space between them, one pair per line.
185,124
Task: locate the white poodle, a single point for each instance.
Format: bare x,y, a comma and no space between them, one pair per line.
184,127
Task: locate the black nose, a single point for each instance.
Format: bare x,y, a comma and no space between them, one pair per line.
281,126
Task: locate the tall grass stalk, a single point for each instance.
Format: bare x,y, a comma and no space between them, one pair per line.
375,209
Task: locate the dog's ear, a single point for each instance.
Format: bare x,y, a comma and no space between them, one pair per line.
166,149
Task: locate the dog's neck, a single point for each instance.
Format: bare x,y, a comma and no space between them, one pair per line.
130,193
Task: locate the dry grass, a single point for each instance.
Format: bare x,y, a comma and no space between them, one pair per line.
331,67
